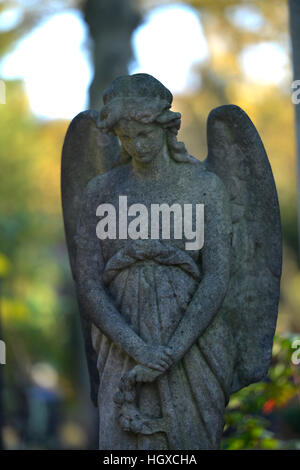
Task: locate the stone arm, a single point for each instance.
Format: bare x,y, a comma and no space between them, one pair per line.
96,301
210,294
100,307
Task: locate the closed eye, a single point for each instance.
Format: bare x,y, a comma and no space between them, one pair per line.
143,134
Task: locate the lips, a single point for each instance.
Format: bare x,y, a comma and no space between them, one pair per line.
144,157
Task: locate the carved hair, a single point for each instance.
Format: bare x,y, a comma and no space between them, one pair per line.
144,99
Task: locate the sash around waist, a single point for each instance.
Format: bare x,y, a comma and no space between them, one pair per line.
157,251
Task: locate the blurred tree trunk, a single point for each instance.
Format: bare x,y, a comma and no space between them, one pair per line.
294,6
111,24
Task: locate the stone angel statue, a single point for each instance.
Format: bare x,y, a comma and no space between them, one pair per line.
170,333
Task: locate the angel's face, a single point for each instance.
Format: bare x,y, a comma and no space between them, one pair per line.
143,142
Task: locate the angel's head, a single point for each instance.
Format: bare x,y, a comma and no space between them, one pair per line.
137,110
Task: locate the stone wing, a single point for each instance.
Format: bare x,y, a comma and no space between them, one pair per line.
237,155
87,152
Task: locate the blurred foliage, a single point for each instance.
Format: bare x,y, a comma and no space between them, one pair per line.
38,303
266,415
46,396
27,15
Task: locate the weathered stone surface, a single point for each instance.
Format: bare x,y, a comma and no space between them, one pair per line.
170,332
